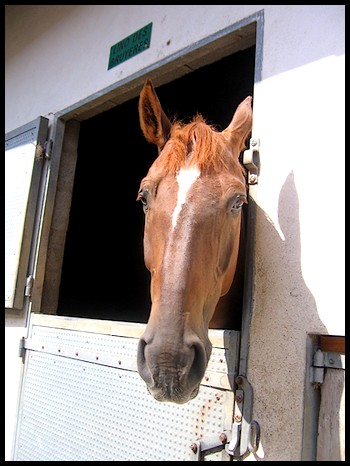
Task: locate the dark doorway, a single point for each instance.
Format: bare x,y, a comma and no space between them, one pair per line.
103,274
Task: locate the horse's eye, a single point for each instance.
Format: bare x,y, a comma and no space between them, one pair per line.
142,196
237,202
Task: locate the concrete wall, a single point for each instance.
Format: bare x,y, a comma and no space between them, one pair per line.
57,56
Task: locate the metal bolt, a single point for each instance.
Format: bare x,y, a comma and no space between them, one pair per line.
253,179
331,361
194,447
223,438
239,380
238,418
239,398
253,142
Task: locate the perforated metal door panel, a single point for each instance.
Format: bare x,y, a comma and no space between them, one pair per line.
83,400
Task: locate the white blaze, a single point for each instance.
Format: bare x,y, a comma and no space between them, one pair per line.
185,179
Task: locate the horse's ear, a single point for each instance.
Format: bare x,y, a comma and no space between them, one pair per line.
241,123
154,123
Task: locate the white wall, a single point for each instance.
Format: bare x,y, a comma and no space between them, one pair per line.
58,55
63,50
299,115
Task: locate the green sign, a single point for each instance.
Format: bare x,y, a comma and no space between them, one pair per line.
130,46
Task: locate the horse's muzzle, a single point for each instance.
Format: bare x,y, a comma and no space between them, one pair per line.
172,375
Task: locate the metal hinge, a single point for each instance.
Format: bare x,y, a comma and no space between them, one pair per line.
251,160
22,349
48,148
323,360
29,286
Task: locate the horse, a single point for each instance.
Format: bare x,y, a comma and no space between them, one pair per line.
192,198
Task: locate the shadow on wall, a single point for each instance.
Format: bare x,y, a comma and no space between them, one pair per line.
284,313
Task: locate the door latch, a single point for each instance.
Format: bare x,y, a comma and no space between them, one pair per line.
245,437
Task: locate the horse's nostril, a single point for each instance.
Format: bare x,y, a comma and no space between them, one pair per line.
199,364
141,360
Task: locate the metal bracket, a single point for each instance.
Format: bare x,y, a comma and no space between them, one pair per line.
214,442
251,160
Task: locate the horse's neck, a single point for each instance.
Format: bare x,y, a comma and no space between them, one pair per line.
228,311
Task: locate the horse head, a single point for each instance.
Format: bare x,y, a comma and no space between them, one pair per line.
192,198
